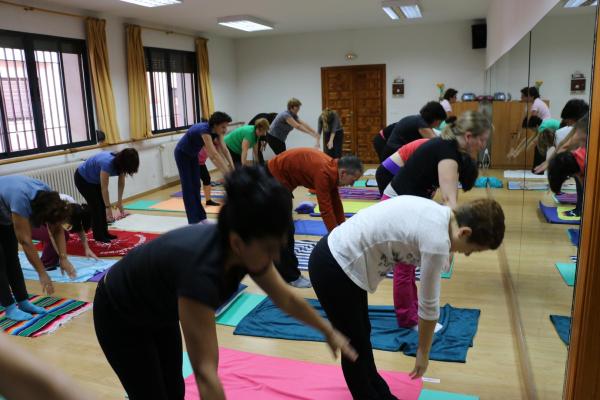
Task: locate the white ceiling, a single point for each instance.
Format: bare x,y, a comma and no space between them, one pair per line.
289,16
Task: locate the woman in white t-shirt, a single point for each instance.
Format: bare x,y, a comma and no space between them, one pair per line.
538,107
449,98
350,262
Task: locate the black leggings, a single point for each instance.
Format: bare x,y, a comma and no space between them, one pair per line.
12,282
237,158
147,359
287,266
204,175
278,146
93,196
383,178
346,307
378,145
338,143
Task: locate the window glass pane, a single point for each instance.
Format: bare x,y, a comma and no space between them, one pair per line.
178,90
75,90
16,100
190,98
161,100
51,97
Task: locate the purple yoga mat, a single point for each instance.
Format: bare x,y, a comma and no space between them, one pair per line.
567,198
357,193
98,276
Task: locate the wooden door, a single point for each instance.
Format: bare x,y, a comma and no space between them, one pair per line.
357,93
507,118
461,106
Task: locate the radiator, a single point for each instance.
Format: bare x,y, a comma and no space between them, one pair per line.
59,178
167,159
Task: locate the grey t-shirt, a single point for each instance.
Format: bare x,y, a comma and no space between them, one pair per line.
280,128
334,124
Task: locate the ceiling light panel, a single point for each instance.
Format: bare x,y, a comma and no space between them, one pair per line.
245,23
153,3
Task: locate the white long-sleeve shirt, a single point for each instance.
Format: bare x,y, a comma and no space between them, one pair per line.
406,229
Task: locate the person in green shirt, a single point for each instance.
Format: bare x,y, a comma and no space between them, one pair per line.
240,140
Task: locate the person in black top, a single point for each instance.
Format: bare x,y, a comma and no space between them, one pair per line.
183,277
415,127
441,162
381,139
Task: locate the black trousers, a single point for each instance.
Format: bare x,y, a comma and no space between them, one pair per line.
12,283
383,178
379,145
287,266
579,206
338,143
346,306
147,359
237,158
204,175
93,196
276,145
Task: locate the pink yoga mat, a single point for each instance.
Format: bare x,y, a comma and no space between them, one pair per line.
253,376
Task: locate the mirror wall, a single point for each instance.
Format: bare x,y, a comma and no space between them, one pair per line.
555,58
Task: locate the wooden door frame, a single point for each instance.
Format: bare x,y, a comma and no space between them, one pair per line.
583,365
381,67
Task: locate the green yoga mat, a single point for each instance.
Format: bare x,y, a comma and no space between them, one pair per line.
141,205
361,183
567,272
427,394
351,206
245,303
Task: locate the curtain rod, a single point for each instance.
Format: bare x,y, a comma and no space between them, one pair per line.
166,31
46,10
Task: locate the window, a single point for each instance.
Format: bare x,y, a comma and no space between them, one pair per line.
45,101
172,87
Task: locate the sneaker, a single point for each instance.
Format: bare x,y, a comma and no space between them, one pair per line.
301,283
212,203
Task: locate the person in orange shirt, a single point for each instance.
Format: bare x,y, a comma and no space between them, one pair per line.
312,169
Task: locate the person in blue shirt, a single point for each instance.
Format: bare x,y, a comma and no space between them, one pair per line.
197,137
25,203
91,179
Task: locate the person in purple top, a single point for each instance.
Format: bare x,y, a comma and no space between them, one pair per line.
197,137
91,179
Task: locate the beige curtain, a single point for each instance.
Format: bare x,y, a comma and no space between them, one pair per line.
103,93
139,104
206,96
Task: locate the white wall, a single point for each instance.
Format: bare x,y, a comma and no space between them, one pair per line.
223,74
273,69
560,45
508,21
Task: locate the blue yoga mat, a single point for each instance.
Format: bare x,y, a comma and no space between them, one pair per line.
551,215
574,236
563,327
449,344
86,269
308,227
314,214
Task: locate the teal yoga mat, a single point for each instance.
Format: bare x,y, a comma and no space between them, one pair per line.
141,205
427,394
361,183
567,272
245,303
